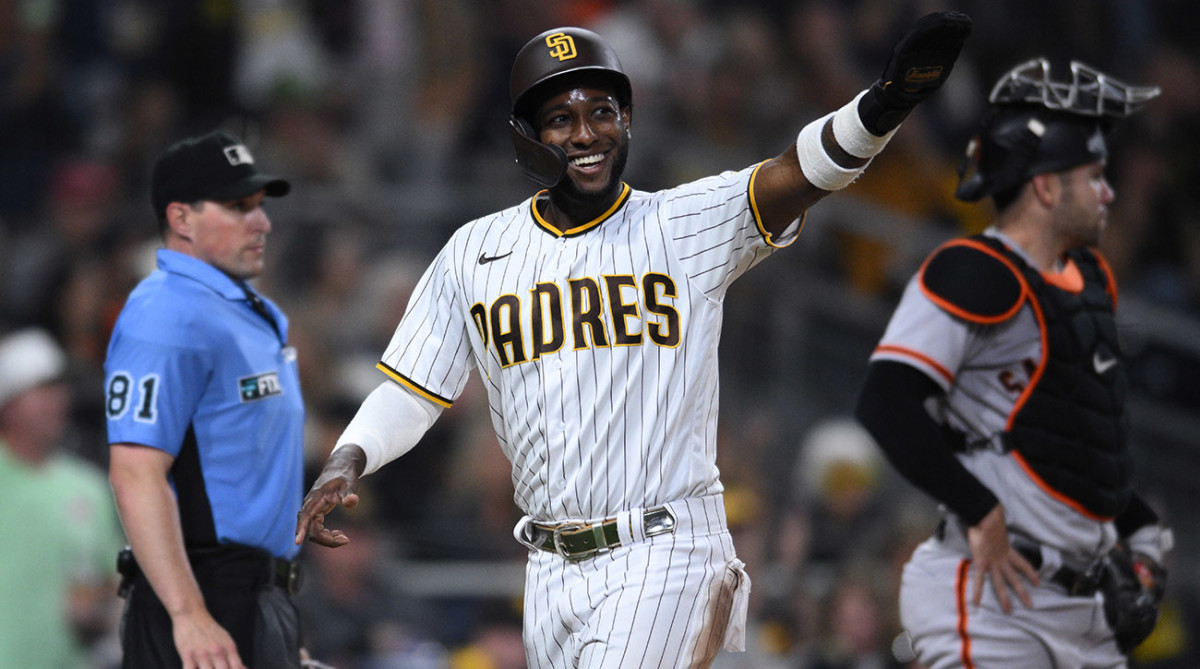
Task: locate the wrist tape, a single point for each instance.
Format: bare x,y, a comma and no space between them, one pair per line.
817,165
851,135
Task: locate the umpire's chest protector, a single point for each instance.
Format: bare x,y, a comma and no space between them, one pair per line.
1068,427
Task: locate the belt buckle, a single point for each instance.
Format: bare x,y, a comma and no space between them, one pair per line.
287,575
1085,583
658,521
566,553
293,578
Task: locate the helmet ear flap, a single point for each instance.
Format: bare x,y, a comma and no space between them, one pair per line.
544,163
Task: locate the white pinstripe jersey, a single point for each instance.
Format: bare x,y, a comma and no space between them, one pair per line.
597,345
983,369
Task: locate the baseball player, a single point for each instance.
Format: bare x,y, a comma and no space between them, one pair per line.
998,389
592,312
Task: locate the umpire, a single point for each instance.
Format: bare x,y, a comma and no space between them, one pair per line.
205,422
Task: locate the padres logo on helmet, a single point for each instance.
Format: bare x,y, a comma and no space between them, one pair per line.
562,46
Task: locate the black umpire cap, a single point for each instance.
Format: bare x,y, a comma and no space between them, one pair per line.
216,166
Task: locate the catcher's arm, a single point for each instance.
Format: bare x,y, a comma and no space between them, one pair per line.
891,405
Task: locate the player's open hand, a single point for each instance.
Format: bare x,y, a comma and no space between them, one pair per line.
334,487
994,559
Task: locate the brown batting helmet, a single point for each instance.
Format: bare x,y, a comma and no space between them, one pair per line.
547,58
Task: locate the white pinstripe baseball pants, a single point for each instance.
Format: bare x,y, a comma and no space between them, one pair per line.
672,600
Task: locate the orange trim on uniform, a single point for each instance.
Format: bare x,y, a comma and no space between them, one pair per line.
767,236
549,227
1054,493
1069,279
960,598
399,378
1036,377
966,315
1111,283
917,355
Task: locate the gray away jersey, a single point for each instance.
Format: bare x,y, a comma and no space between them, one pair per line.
983,369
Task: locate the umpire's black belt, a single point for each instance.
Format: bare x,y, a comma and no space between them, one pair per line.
261,565
576,541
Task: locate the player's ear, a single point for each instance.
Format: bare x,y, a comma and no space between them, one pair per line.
1046,188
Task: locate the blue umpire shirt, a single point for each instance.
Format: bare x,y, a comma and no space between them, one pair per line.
194,371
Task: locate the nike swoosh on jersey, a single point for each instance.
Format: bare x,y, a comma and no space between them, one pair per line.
1101,364
485,258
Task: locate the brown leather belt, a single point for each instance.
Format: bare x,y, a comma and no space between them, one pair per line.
577,541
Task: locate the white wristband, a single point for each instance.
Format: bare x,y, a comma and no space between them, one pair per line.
817,165
390,421
853,136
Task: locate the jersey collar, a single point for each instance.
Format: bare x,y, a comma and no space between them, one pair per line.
198,270
580,229
1067,276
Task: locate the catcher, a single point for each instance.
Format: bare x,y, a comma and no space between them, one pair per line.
998,389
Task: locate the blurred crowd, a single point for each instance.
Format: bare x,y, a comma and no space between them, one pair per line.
388,116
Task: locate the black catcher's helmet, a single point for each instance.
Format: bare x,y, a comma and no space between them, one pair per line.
1036,125
556,53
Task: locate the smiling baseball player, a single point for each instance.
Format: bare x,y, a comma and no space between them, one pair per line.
997,389
592,312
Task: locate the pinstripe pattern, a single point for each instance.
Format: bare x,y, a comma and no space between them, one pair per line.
598,350
651,604
607,419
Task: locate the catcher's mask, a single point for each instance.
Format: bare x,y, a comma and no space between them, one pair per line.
1035,125
547,58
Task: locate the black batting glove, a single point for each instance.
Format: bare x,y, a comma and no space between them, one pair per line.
920,63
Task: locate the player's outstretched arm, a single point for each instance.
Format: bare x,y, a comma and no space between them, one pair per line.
336,485
832,151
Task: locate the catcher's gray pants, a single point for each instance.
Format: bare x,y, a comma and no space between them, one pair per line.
947,630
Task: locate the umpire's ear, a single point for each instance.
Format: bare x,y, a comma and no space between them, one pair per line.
179,220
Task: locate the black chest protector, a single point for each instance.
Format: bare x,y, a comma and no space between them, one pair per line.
1071,428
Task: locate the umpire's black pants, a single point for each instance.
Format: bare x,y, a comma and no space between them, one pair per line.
238,592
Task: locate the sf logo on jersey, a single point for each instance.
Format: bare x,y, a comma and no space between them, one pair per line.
613,310
257,387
